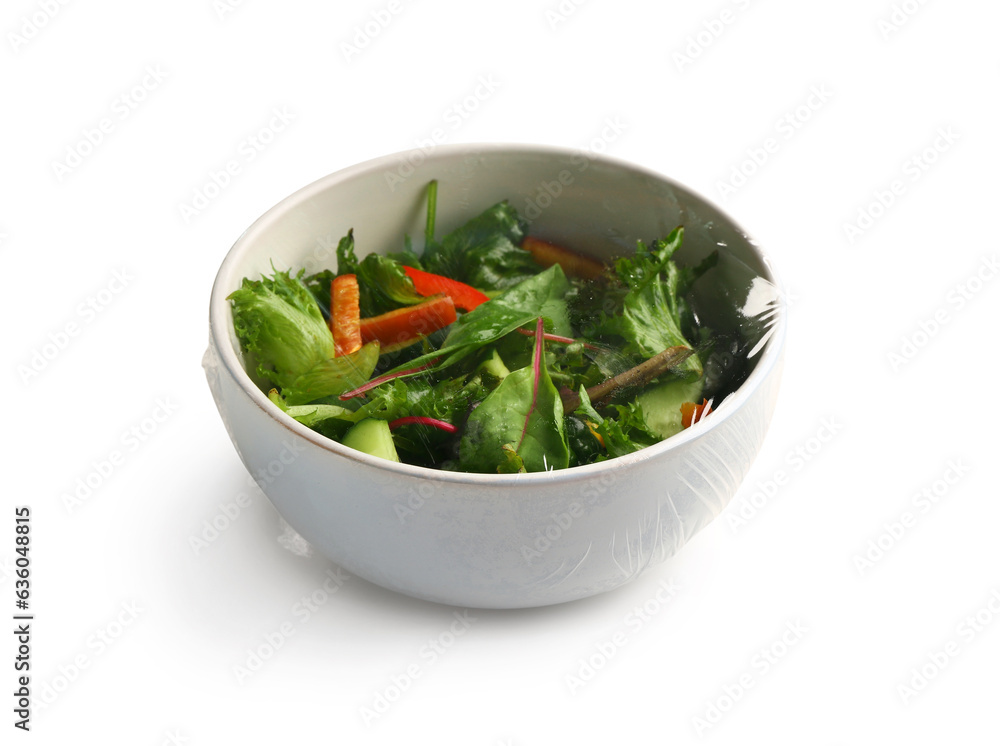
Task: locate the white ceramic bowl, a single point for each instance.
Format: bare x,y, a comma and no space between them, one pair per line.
501,541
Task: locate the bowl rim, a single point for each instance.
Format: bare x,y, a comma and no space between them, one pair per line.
226,281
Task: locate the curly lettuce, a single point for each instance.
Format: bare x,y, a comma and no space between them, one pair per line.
280,325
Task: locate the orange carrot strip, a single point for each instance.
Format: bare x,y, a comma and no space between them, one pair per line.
345,315
573,264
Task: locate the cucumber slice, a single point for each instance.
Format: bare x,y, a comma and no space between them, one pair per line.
661,405
372,437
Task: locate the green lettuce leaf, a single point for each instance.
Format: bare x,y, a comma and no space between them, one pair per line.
333,376
279,323
626,433
650,318
326,419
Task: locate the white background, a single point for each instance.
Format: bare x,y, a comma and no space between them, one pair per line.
843,574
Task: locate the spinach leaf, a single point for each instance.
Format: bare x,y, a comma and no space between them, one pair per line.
523,412
384,286
407,257
485,252
586,409
319,285
584,445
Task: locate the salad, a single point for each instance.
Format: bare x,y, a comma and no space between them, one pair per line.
490,350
